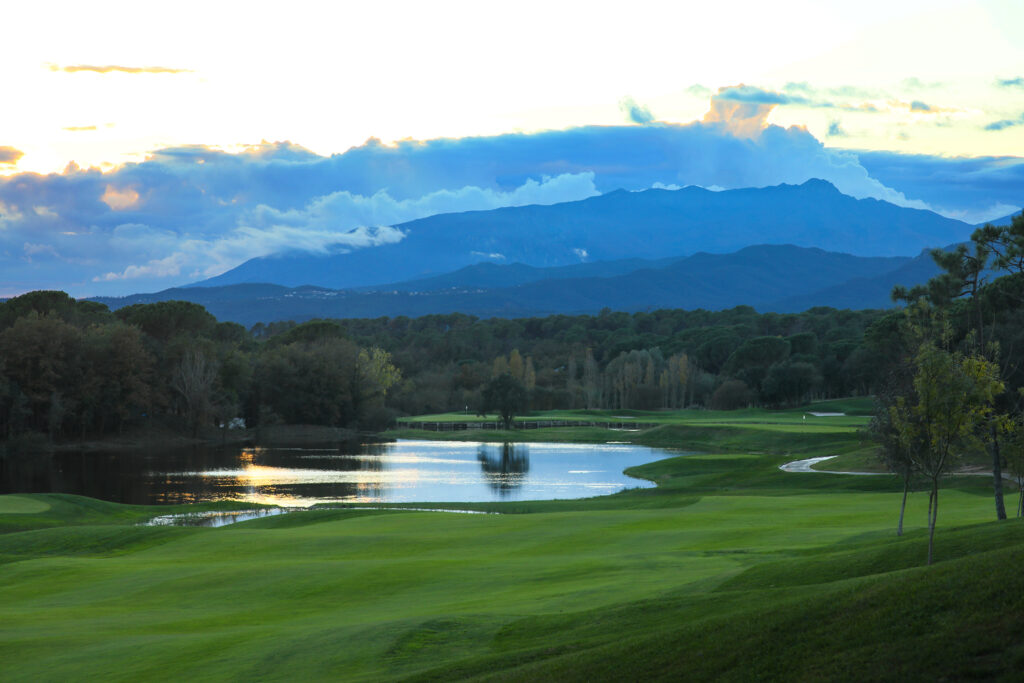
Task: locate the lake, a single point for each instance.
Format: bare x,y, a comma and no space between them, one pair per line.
403,471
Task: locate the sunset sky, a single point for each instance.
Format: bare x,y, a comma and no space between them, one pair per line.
923,101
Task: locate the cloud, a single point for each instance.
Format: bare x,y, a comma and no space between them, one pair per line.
698,90
119,199
186,213
754,95
844,98
1005,123
636,113
340,221
343,210
835,130
76,129
973,189
1017,82
919,107
116,68
1000,125
10,155
199,258
39,249
740,111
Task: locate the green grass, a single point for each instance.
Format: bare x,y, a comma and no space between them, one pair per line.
728,569
857,410
22,505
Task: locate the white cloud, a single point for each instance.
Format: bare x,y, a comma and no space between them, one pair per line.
170,219
39,249
335,222
344,210
205,258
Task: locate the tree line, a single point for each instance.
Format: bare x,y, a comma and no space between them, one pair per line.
73,369
644,361
954,385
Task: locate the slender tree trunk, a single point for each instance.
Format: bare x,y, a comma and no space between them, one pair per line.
903,506
934,509
930,499
997,474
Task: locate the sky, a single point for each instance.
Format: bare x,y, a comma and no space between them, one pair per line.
145,147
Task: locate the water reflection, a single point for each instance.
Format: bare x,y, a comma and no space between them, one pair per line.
403,471
504,466
213,519
281,476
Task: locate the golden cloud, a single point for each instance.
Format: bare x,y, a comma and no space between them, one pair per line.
117,68
120,199
10,155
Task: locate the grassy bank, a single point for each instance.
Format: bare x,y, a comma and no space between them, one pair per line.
729,568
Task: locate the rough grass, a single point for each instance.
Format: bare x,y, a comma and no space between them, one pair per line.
729,569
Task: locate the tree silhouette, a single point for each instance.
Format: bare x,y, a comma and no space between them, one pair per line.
505,395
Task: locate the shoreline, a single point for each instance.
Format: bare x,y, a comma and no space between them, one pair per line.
166,439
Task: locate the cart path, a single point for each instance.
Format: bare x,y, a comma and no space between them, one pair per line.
806,465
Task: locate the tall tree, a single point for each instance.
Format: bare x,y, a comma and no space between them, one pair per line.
193,379
1014,452
965,272
896,451
506,396
952,395
515,364
591,381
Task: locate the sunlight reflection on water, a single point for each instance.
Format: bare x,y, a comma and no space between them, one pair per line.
405,471
415,470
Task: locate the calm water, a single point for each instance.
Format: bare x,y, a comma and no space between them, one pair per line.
403,471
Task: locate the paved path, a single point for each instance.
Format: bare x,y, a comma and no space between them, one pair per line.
805,466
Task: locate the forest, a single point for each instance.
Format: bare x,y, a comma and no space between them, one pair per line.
74,369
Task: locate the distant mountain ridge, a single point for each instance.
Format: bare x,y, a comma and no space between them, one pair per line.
619,225
782,278
493,275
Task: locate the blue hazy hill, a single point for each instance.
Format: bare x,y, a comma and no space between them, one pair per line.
493,275
652,224
781,278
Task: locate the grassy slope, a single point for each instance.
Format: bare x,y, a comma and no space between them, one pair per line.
728,568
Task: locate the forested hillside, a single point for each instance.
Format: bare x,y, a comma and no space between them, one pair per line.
74,368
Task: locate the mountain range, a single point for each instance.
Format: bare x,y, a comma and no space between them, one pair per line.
652,224
785,248
777,278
